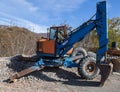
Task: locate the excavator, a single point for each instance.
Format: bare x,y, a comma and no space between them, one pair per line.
56,49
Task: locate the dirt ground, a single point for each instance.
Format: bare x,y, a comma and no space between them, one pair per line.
53,80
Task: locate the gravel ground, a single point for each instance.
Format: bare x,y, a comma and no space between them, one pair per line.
51,79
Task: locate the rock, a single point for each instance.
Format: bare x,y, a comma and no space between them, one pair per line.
116,73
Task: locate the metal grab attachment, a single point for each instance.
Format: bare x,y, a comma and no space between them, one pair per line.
23,72
105,70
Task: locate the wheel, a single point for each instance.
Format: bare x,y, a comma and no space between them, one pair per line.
79,52
87,68
91,54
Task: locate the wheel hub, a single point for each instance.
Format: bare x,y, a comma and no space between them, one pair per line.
90,67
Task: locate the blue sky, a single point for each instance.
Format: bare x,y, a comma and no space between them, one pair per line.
37,15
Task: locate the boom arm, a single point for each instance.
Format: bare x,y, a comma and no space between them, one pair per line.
100,23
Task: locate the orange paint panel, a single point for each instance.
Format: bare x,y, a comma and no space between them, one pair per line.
47,47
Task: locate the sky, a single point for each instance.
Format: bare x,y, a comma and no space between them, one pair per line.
38,15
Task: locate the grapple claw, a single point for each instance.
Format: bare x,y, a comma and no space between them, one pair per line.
105,70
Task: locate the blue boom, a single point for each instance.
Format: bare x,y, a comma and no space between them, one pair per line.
100,23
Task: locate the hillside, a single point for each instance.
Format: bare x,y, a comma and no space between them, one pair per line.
15,40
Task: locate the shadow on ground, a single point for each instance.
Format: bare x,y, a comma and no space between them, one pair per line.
69,77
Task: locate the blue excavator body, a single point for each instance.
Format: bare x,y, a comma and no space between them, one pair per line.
52,50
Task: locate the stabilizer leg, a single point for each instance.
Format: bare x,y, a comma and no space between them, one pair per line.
22,73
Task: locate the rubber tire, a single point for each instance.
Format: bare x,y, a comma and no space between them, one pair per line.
82,71
79,50
91,54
